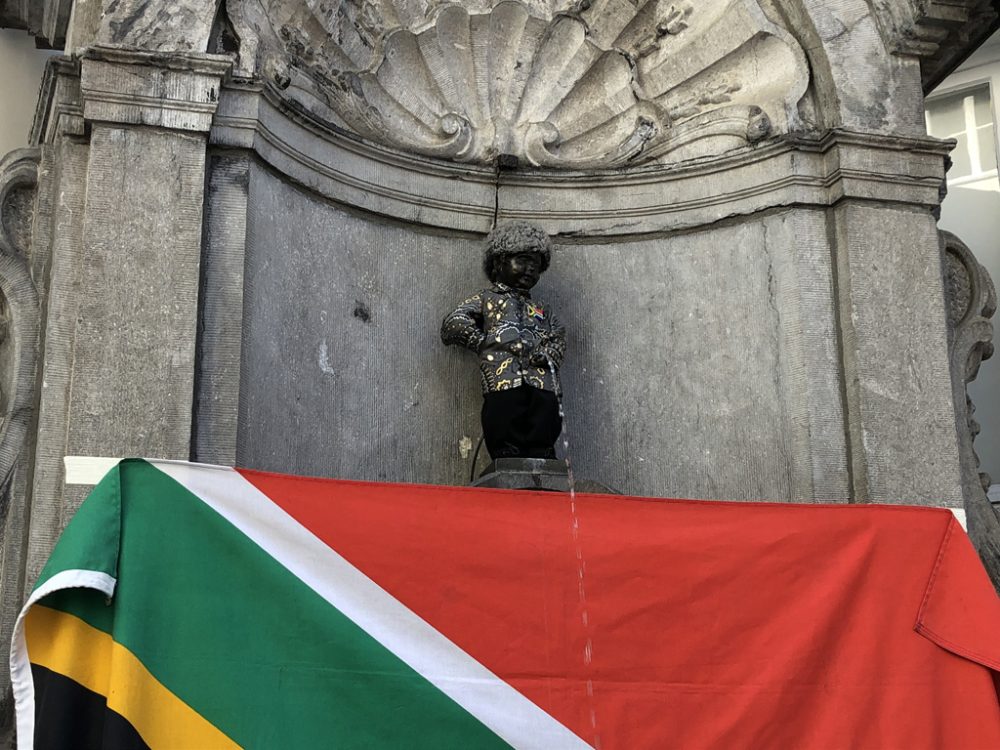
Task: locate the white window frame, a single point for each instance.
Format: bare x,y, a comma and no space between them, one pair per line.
969,81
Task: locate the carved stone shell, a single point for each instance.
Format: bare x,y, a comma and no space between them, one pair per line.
593,83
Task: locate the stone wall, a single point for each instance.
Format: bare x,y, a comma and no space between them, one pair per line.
245,230
700,363
704,362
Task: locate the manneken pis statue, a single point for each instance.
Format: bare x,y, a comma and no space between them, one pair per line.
519,342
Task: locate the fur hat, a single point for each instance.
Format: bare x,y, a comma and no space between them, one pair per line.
513,238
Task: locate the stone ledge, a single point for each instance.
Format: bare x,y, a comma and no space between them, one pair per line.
178,91
940,32
798,169
47,20
59,110
795,170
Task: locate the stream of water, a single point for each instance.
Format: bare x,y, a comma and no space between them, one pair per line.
588,649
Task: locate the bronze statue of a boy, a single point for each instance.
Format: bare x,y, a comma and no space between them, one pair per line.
519,342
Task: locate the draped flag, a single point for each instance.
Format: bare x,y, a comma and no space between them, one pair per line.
190,606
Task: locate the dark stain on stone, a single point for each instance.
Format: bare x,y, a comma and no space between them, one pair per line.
121,29
361,311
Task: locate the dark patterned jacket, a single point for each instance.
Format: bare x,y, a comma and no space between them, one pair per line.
504,327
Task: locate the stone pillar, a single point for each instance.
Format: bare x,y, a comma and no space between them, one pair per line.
119,364
894,339
220,336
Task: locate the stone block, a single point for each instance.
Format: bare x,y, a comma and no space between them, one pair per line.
894,330
178,91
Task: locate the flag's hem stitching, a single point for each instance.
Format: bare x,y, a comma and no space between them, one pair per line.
20,665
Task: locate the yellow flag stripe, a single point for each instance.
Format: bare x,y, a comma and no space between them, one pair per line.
66,644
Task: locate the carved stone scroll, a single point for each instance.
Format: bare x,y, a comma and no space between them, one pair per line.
971,302
18,309
175,26
558,83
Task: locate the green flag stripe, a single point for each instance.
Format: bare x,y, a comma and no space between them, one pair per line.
483,693
262,656
90,606
93,544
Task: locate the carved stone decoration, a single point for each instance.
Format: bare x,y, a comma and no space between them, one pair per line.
168,25
574,85
939,31
19,315
971,301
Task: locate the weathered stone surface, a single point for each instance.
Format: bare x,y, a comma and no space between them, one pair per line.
123,381
742,400
556,83
793,170
85,25
180,91
66,177
971,301
120,335
603,83
19,312
858,83
787,330
161,25
894,337
356,358
19,332
798,169
220,310
60,105
16,212
939,31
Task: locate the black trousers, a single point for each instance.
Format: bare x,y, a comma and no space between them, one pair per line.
521,422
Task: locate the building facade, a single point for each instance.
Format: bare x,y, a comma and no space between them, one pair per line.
238,224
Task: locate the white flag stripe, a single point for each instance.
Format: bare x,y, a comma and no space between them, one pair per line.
492,701
20,665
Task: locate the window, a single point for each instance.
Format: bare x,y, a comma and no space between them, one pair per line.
966,116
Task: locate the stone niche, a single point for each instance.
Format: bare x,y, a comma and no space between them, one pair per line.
284,197
702,365
583,84
239,224
743,323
